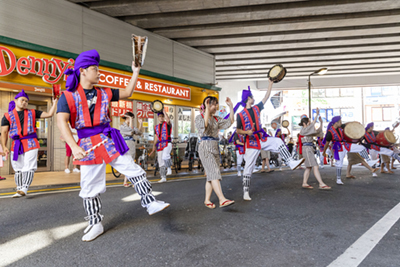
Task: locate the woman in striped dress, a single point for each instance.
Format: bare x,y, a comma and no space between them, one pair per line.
208,126
307,134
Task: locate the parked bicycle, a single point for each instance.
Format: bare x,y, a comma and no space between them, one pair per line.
143,158
226,156
191,152
176,160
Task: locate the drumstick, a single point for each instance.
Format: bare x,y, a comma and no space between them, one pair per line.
93,148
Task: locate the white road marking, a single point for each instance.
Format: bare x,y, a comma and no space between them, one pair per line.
26,245
360,249
135,196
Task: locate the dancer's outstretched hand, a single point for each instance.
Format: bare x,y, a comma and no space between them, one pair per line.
229,102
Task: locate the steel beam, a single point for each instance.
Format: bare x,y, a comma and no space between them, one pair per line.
307,35
133,8
263,12
240,48
275,26
300,52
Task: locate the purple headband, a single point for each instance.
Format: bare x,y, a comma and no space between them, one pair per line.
369,125
245,94
277,131
333,121
387,128
11,106
84,60
21,94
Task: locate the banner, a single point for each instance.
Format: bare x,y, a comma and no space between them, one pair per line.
121,107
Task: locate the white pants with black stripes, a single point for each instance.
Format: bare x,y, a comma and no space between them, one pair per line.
164,156
164,160
272,144
24,168
383,151
93,183
355,148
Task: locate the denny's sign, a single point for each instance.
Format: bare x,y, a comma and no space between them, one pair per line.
116,80
51,70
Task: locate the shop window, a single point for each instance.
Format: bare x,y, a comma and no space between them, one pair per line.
376,114
390,90
184,122
387,114
196,113
318,93
374,91
347,114
346,92
144,113
332,92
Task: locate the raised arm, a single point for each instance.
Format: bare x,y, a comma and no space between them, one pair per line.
207,113
132,83
268,93
231,113
50,113
166,117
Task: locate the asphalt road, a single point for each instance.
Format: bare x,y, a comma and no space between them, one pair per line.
283,225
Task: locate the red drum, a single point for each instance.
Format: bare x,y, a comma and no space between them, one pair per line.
354,132
385,138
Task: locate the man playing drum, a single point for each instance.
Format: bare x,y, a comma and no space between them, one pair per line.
249,124
373,146
340,147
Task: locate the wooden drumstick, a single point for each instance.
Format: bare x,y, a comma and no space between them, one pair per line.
93,148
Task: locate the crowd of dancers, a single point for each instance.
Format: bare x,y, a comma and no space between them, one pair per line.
84,107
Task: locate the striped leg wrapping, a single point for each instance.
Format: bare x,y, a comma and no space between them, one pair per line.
338,173
143,188
18,179
27,178
364,154
246,183
163,172
168,163
92,207
285,155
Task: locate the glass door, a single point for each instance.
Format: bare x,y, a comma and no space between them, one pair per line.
43,131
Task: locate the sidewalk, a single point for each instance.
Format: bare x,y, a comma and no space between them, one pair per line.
51,179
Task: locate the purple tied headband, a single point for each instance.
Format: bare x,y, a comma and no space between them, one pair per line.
11,105
369,125
84,60
245,94
333,121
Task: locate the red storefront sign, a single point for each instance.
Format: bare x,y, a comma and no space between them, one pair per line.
51,70
115,80
121,107
144,110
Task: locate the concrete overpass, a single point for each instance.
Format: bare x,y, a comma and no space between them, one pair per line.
358,40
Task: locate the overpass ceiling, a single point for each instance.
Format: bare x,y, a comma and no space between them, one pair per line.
247,37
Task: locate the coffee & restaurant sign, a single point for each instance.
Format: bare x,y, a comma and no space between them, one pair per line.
146,86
